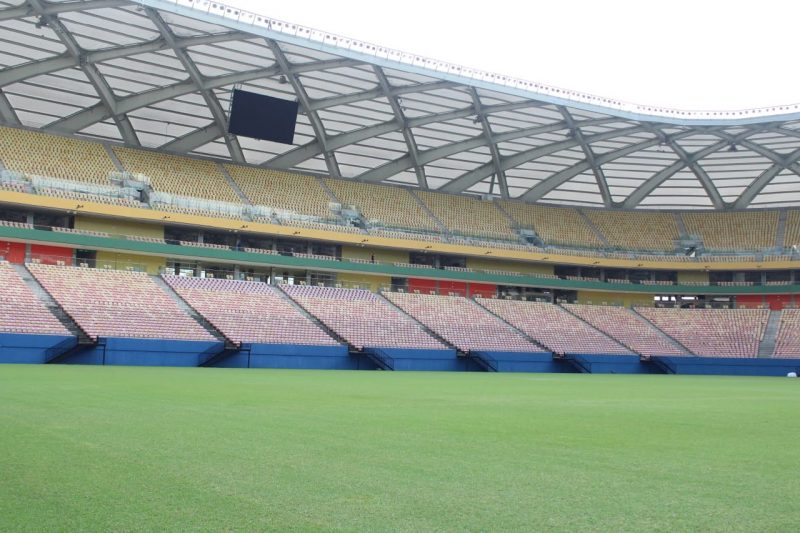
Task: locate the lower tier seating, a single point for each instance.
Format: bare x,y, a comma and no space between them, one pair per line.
629,329
554,327
362,318
21,311
115,303
248,311
787,343
462,323
712,332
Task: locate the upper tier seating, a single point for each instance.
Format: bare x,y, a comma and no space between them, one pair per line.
462,323
362,318
741,230
178,175
553,327
787,344
249,311
626,327
393,206
115,303
40,154
712,332
282,190
637,230
468,215
21,311
792,235
555,225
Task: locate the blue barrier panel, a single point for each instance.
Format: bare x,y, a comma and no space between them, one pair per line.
613,364
730,366
529,362
22,348
259,355
427,360
146,352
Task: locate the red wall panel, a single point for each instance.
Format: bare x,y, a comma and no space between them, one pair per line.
456,287
484,290
424,286
13,252
778,301
50,255
749,301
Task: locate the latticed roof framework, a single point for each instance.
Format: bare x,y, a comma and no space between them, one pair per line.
160,73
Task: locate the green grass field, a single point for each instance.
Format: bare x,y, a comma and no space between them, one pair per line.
114,448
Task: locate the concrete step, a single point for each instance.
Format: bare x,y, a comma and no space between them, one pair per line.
766,347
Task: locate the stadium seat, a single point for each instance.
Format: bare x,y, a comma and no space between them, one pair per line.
462,323
247,311
626,327
712,332
21,311
554,328
117,303
362,318
178,175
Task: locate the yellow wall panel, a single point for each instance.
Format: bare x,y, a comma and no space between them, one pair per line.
690,276
373,283
119,227
153,264
618,298
381,256
481,263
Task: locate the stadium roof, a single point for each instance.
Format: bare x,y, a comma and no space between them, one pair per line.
159,74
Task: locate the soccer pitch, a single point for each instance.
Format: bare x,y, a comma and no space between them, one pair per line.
115,448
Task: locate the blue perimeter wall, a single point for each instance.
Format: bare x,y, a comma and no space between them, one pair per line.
33,349
427,360
146,352
730,366
528,362
295,356
36,349
612,364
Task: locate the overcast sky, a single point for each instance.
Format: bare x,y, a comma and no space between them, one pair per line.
701,54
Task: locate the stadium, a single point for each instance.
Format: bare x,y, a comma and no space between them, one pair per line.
423,296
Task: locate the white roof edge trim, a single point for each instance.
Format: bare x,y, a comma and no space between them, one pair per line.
260,25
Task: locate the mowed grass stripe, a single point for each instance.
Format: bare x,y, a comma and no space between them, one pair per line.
116,448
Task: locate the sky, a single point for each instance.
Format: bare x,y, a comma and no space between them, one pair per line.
690,55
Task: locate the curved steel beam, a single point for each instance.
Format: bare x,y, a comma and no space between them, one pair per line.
67,60
490,142
313,116
313,148
398,165
7,112
472,177
653,182
231,142
700,174
599,177
411,143
54,9
101,87
790,162
97,113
